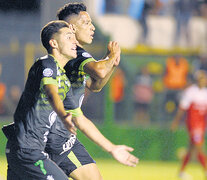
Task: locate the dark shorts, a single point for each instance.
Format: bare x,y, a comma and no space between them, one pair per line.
28,164
76,157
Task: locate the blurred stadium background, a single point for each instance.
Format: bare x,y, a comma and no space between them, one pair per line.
149,33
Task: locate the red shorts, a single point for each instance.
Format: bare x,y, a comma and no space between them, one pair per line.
196,135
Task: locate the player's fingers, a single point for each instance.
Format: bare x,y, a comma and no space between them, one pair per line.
109,44
132,161
127,148
73,130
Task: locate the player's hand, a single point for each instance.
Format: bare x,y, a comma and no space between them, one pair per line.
69,123
122,155
114,49
117,61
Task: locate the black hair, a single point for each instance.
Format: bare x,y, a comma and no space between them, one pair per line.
70,9
49,30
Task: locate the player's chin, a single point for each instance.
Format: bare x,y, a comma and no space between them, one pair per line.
74,55
89,41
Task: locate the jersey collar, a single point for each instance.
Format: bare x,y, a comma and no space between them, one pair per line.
57,63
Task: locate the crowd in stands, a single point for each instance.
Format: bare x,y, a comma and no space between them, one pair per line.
178,75
181,10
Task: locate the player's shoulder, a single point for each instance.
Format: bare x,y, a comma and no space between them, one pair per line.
83,53
46,65
46,61
191,89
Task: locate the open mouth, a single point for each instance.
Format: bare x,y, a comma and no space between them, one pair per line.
92,35
74,48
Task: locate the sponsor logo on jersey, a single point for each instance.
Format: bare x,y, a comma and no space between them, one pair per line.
52,117
45,136
48,72
86,54
69,143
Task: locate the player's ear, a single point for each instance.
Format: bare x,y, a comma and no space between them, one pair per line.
53,43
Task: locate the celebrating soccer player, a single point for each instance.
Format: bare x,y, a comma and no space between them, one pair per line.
39,105
85,71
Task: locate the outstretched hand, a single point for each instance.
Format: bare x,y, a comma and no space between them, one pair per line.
122,154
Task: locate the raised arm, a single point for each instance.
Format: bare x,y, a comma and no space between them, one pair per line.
119,152
57,104
100,71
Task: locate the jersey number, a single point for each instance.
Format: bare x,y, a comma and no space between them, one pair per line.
41,164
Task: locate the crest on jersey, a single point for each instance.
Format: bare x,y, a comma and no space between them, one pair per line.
48,72
86,54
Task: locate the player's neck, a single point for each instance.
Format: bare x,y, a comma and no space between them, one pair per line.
80,45
60,58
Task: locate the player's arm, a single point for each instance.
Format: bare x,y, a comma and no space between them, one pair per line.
51,91
100,71
179,115
120,152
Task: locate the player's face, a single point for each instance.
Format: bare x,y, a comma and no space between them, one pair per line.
67,42
202,80
84,27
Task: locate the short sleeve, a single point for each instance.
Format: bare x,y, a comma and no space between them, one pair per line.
49,72
186,99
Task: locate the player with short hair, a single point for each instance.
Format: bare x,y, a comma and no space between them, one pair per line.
85,71
41,102
194,104
62,146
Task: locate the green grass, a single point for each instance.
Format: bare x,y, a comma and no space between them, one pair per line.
111,170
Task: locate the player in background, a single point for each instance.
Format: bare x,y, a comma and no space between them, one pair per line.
41,102
85,71
194,104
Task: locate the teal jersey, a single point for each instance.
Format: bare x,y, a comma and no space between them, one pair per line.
34,115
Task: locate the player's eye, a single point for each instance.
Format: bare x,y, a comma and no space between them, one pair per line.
68,37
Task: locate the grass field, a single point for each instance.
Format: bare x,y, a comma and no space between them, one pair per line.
111,170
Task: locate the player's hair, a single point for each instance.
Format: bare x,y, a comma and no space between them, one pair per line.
49,30
70,9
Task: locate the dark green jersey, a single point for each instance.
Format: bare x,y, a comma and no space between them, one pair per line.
76,75
59,139
34,115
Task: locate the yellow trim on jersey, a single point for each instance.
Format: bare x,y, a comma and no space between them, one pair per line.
48,80
85,62
75,112
74,159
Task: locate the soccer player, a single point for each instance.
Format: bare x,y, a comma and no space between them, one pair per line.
66,150
63,147
194,103
41,102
